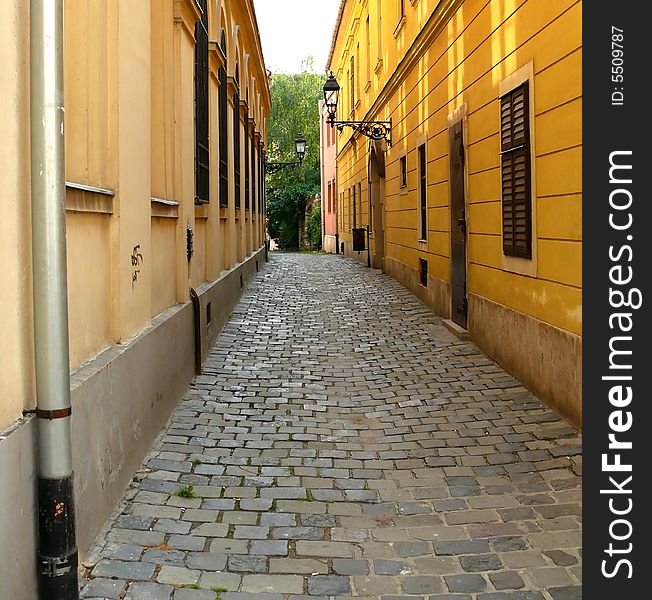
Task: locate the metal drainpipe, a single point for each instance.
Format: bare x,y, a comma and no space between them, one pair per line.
57,552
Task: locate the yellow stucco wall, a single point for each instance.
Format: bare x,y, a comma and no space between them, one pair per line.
130,151
462,65
16,345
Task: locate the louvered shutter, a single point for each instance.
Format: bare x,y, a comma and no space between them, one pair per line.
236,148
201,108
515,173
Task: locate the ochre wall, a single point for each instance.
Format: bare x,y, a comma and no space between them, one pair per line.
421,82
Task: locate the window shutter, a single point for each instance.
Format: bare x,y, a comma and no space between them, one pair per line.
236,148
201,108
246,162
515,173
223,106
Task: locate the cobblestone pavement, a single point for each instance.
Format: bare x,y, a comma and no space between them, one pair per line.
341,443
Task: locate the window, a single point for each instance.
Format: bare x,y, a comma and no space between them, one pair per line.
350,211
515,172
379,24
254,181
404,171
368,40
357,75
360,202
355,220
423,272
352,81
261,180
330,191
223,104
202,185
246,162
236,143
423,192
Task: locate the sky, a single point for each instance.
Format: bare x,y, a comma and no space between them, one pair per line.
292,30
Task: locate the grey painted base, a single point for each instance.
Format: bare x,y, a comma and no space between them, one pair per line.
121,399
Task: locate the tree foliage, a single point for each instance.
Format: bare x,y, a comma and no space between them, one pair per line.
294,110
314,227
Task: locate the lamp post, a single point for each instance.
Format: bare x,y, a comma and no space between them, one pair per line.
375,130
300,146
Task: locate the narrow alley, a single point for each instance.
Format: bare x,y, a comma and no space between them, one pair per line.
342,443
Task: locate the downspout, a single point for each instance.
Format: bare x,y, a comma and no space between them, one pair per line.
57,552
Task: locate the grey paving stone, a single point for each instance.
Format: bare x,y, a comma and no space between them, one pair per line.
122,551
388,567
345,566
171,526
124,570
481,562
187,542
466,582
103,588
190,594
283,584
164,557
278,520
317,520
422,584
269,547
561,558
206,561
520,595
149,591
566,593
506,580
250,532
135,522
240,563
328,585
297,533
405,549
454,547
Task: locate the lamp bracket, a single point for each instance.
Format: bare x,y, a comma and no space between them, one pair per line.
375,130
275,167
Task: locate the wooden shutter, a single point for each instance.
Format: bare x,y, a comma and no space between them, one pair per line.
246,162
223,106
515,173
201,108
236,148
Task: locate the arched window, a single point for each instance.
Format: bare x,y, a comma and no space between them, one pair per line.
223,105
246,153
202,185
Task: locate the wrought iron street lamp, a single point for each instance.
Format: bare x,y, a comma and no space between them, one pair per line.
375,130
300,145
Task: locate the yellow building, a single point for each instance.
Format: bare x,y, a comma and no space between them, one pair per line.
476,204
166,103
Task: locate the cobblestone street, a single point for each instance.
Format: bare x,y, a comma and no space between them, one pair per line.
342,443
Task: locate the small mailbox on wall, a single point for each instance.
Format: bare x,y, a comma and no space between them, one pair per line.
359,239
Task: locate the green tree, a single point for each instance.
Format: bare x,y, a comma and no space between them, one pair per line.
295,110
314,227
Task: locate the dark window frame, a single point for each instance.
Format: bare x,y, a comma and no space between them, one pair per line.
202,112
236,145
403,171
516,172
423,192
223,107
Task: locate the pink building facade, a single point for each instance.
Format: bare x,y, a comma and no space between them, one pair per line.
328,183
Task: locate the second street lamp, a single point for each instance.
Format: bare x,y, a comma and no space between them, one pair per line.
375,130
300,145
